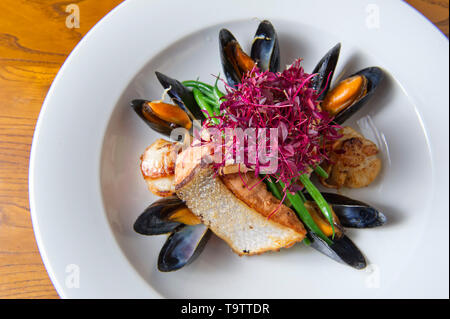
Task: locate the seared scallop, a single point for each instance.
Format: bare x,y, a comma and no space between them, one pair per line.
158,167
353,161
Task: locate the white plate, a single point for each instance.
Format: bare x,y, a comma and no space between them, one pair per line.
86,189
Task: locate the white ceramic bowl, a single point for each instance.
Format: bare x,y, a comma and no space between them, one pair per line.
85,185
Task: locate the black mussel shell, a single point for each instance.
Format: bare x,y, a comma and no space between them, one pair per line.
343,250
181,95
353,213
182,247
265,48
155,219
374,76
325,70
233,78
153,122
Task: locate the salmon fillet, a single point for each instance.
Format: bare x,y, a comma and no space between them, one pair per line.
248,188
243,225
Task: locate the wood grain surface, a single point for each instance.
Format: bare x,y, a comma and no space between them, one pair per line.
34,42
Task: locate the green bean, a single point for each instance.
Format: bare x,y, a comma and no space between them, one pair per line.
211,94
274,189
211,101
206,89
218,96
204,105
217,109
215,104
318,198
198,84
304,215
217,92
302,196
320,171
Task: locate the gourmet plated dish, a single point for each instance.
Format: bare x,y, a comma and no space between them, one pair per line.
239,162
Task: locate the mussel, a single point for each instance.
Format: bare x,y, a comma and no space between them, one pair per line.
342,250
235,61
325,70
265,53
348,213
187,234
265,48
181,95
353,92
162,117
182,247
353,213
348,96
322,222
164,216
345,94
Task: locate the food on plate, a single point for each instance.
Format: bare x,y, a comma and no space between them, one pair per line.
353,161
265,53
232,187
233,211
158,167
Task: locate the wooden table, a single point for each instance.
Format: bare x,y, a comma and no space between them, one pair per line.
34,42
